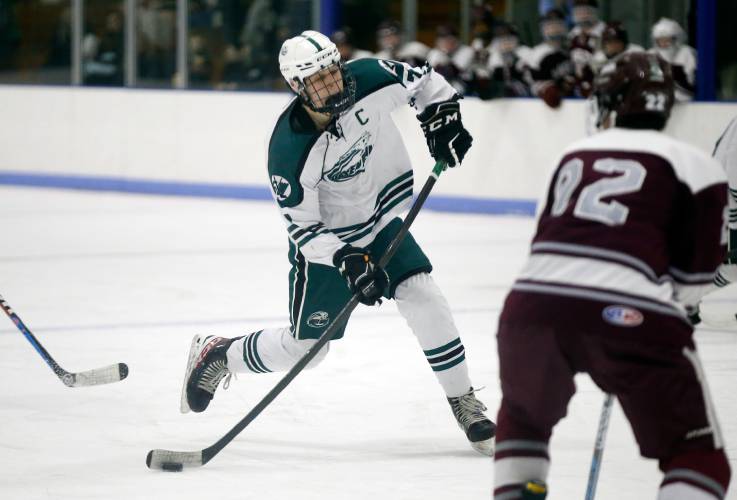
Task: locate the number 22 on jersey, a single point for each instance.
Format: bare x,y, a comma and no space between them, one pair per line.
629,178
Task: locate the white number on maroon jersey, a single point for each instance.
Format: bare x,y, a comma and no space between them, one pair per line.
568,180
590,204
655,101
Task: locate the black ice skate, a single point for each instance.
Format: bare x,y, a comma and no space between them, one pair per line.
479,430
207,365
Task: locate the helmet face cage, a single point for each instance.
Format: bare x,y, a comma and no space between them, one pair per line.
314,90
311,65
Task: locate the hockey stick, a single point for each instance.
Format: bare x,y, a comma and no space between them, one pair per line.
98,376
177,460
606,412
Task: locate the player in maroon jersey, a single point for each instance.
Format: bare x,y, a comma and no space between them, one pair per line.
631,231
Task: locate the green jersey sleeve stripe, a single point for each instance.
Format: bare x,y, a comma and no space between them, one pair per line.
380,202
387,209
309,229
393,183
383,210
310,237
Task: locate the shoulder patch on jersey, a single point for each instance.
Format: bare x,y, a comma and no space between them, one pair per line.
372,75
281,187
288,151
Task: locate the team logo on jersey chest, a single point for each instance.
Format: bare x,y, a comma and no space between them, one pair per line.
353,161
318,319
282,188
622,316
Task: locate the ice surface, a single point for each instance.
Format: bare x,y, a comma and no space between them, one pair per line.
104,278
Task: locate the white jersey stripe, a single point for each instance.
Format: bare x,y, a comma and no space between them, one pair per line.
594,252
601,296
710,411
590,272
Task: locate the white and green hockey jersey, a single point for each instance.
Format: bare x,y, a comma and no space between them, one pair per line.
346,184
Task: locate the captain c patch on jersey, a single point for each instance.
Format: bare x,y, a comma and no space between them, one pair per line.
352,162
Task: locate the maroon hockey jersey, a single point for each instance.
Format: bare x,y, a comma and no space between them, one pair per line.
630,216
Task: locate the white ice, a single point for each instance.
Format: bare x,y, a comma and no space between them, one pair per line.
103,278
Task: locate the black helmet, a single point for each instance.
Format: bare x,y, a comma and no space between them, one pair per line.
638,87
615,30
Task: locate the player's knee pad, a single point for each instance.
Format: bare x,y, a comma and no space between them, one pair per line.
421,302
297,348
695,475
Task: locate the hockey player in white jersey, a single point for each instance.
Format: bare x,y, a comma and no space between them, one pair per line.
725,152
341,177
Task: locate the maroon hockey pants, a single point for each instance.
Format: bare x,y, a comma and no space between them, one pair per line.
651,367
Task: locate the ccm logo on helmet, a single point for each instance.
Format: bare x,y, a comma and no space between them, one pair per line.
442,121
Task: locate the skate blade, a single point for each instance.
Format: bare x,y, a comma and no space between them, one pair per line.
193,351
485,447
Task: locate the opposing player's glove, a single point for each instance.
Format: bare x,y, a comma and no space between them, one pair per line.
365,278
447,139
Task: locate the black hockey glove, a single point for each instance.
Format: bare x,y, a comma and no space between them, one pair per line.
447,139
365,279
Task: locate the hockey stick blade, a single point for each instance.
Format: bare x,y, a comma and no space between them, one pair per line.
98,376
163,459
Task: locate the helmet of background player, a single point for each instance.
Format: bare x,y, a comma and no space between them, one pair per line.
506,38
585,13
389,35
311,65
614,39
343,39
635,90
667,38
553,28
446,39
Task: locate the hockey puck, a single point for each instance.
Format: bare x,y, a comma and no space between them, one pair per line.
172,466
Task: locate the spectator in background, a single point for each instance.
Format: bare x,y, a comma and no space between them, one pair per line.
249,59
506,63
669,43
614,41
156,40
343,39
452,59
586,24
10,35
549,71
390,40
584,42
103,53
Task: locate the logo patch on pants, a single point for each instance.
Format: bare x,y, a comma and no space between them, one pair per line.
622,316
318,319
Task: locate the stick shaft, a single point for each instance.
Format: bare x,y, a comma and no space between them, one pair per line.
606,412
58,370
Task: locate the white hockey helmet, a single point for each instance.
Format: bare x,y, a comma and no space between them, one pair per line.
306,54
668,28
667,37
